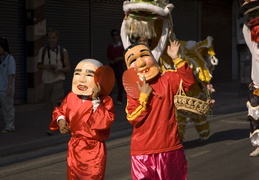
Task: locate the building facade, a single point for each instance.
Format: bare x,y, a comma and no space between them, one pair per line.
84,28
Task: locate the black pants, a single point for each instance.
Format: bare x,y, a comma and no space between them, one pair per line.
119,69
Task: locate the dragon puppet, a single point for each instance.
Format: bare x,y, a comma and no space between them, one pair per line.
150,22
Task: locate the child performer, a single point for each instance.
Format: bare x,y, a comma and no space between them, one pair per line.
88,117
156,148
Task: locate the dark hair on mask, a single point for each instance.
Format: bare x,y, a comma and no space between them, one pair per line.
4,44
133,45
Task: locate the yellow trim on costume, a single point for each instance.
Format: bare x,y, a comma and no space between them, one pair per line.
211,51
256,92
172,70
143,98
178,62
162,67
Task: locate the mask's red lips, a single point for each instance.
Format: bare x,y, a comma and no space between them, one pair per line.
82,87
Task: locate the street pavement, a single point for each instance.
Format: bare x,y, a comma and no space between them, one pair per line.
30,140
223,156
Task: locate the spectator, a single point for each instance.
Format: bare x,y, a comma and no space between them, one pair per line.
7,85
54,61
114,55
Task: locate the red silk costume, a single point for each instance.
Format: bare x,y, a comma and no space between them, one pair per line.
153,118
86,156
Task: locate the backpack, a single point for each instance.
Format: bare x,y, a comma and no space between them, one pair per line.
61,54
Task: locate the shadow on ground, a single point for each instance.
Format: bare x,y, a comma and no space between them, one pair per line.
232,134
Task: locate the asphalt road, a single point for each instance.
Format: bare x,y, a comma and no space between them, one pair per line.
224,156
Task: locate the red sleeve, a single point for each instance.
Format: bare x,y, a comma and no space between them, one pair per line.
58,111
185,73
104,115
137,109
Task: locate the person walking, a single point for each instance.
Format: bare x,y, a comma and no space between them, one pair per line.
156,147
53,60
114,55
87,115
7,85
251,36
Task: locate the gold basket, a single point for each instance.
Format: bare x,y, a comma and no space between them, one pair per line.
189,106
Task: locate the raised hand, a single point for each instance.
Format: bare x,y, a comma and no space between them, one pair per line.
96,91
172,49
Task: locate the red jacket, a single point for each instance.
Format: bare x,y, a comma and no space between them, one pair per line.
86,149
153,117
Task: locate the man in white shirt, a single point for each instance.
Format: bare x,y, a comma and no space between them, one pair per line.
54,61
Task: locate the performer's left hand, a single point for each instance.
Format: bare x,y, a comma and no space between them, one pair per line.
172,49
96,91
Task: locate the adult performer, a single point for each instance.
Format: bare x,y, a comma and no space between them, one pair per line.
251,36
156,148
87,115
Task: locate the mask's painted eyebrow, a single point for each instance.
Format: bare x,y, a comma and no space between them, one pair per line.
140,51
130,55
144,50
78,70
89,71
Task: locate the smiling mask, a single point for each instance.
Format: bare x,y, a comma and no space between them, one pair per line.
83,78
139,57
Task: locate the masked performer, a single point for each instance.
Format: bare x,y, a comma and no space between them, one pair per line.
87,115
156,148
150,22
251,36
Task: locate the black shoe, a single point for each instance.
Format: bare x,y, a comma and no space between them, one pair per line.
6,131
49,132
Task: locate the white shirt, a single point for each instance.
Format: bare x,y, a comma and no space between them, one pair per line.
255,55
55,59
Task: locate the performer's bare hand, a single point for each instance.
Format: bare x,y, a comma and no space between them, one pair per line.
96,91
172,49
145,88
63,126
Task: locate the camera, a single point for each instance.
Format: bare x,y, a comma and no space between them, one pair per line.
53,68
